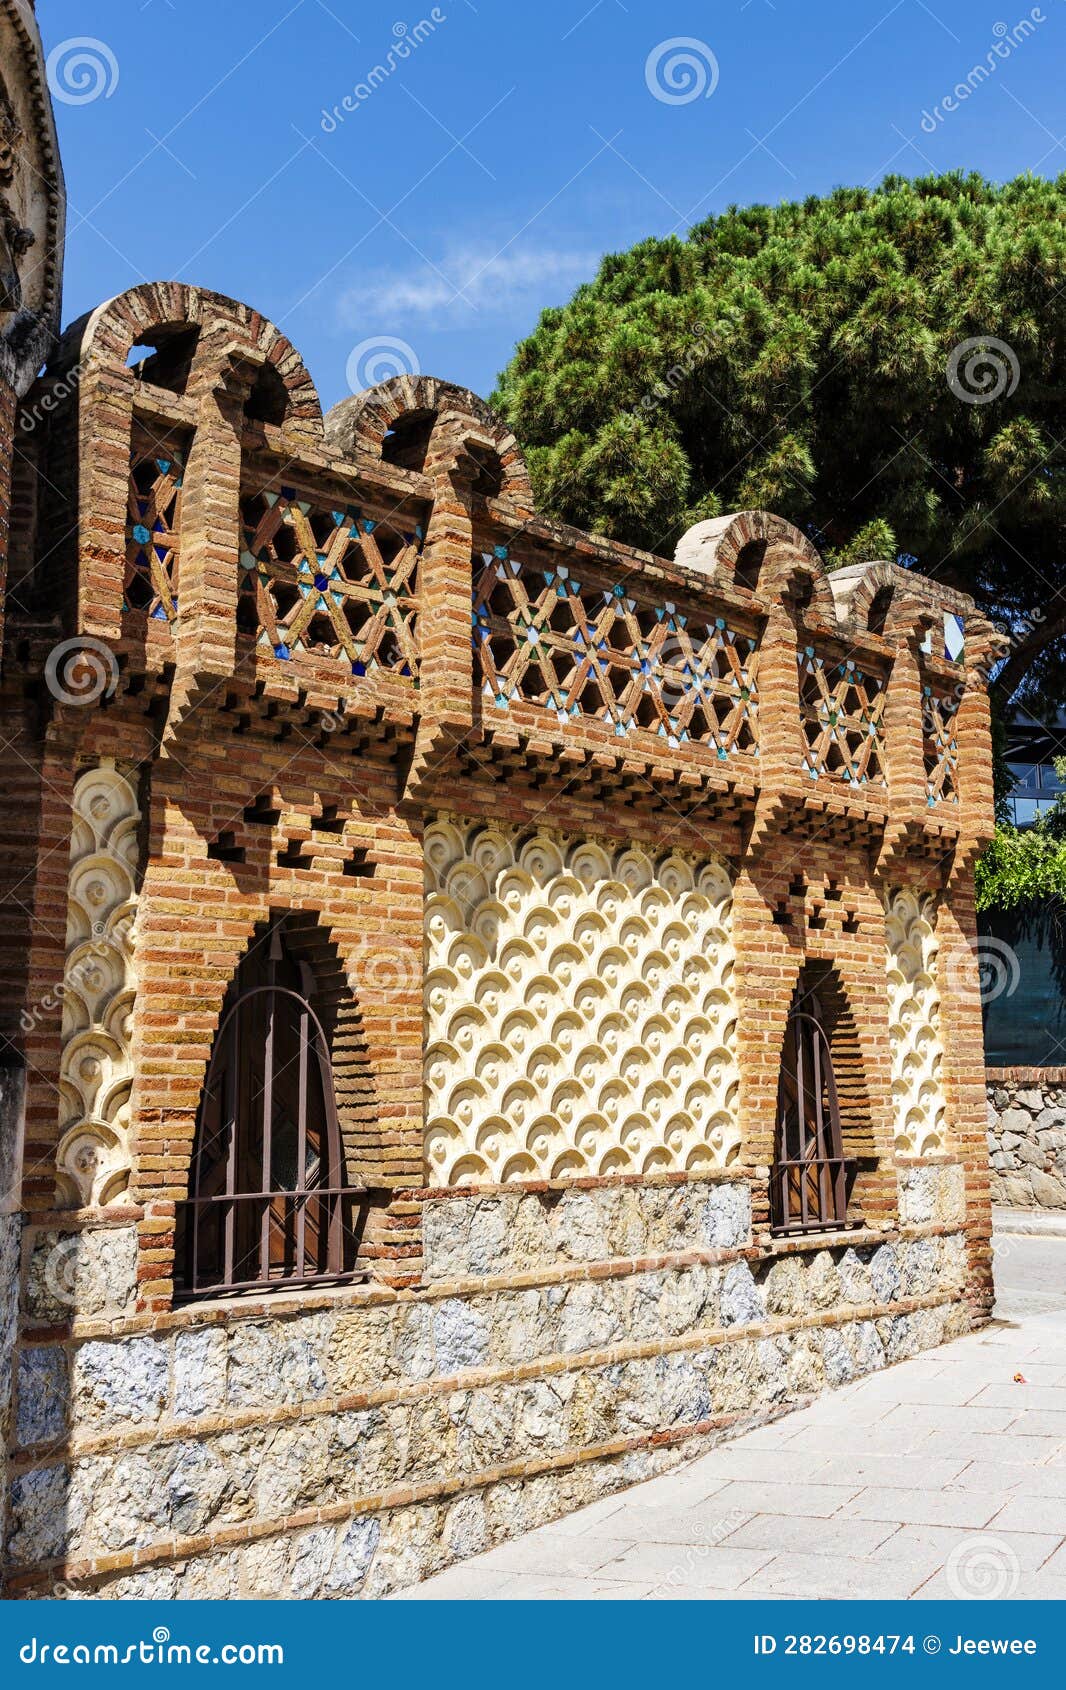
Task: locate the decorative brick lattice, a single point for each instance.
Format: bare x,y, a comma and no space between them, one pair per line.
580,1012
578,645
914,1023
152,534
842,709
330,583
99,983
939,724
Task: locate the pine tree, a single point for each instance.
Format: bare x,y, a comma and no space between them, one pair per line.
805,358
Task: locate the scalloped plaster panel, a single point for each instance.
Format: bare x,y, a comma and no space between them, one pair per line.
580,1011
99,983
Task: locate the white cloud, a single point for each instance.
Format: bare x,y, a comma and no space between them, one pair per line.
467,280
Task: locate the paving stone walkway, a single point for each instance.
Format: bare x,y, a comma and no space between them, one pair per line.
942,1476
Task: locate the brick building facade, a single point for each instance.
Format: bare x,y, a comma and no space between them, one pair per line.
498,1010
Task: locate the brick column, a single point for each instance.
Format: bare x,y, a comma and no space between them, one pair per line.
105,400
964,1070
446,668
780,733
973,732
206,629
905,754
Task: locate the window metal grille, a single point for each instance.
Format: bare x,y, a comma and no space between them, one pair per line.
809,1182
269,1204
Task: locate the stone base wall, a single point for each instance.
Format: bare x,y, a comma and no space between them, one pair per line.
1027,1137
567,1341
11,1103
10,1231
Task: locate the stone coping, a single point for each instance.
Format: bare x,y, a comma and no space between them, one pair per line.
281,1306
1026,1076
1028,1223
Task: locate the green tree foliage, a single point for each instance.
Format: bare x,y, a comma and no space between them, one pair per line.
1024,869
796,357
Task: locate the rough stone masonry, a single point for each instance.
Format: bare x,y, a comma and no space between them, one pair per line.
1027,1137
491,1011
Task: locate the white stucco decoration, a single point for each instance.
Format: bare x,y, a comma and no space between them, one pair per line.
580,1011
98,990
914,1023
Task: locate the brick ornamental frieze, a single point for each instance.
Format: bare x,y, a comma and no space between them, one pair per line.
495,1011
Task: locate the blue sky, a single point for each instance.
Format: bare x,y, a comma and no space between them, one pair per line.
482,176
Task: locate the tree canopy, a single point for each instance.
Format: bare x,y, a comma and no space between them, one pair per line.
811,359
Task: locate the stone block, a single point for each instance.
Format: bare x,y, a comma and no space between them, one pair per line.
1016,1121
725,1218
199,1373
124,1380
460,1336
741,1302
884,1273
1049,1191
43,1395
88,1274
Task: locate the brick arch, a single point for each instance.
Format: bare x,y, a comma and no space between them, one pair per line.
879,593
351,1102
310,939
820,986
758,551
363,424
104,338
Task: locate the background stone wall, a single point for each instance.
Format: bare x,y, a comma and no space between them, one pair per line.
1027,1137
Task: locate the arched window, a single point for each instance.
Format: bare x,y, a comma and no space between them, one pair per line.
808,1188
269,1203
749,562
880,605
